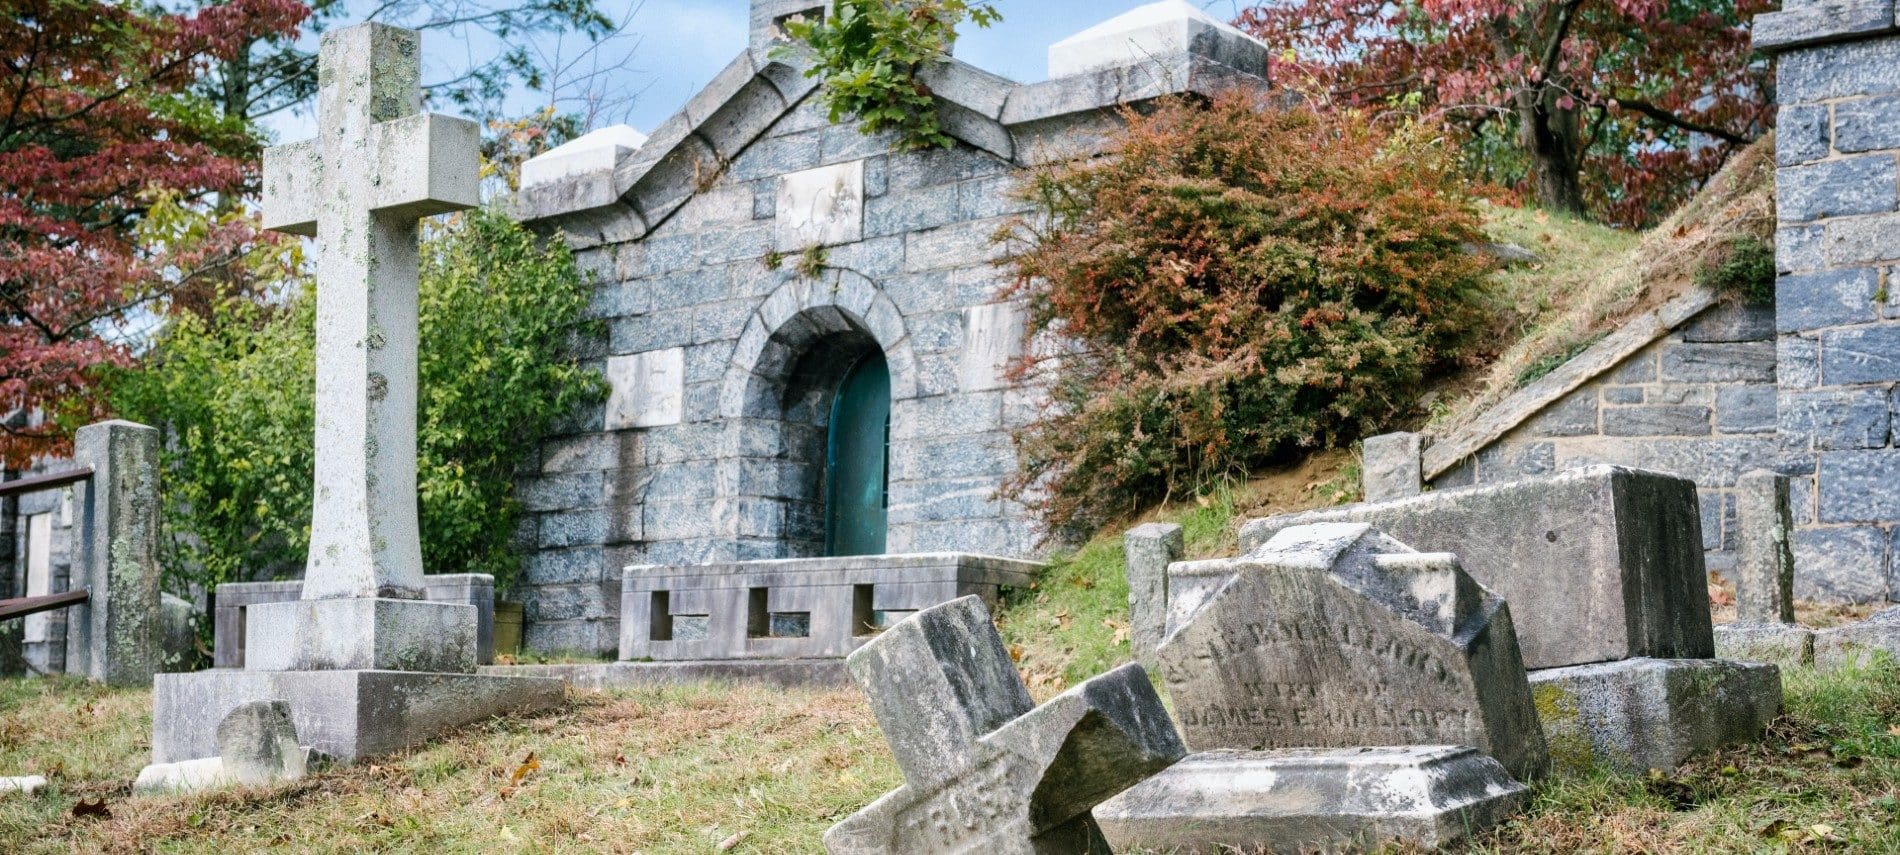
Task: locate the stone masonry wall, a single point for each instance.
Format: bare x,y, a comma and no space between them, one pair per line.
1838,200
1700,403
720,465
48,656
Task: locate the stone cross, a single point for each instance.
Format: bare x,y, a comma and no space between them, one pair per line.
984,770
378,165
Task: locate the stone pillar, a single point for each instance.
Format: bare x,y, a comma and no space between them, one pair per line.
115,638
1764,573
1393,466
767,13
1148,550
1838,200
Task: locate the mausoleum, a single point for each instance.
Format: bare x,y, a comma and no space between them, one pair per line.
809,342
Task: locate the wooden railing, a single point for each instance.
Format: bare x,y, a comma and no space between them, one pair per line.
50,481
10,609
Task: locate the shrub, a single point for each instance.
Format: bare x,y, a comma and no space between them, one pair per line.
1748,272
869,53
1238,283
233,394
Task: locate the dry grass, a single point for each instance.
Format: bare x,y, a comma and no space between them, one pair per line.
1591,279
661,771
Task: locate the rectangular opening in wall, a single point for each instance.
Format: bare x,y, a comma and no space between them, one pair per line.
791,624
660,617
758,621
863,619
243,614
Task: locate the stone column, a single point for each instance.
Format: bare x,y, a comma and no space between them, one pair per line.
1393,466
1764,574
115,637
1147,551
1838,200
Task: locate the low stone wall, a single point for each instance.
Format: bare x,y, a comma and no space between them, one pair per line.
1699,402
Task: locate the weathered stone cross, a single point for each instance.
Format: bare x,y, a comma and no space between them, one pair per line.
378,165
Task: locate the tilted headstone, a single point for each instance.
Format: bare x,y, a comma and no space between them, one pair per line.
1338,636
1342,693
1599,564
1148,550
985,770
258,744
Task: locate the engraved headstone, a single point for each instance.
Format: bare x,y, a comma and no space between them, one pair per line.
258,744
1337,636
985,770
1343,693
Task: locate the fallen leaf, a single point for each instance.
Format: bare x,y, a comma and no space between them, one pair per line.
1894,730
98,809
528,767
1015,653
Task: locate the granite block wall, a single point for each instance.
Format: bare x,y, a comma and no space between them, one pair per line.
1699,402
723,357
1838,200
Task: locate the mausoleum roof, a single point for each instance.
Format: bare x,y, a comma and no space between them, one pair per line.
1152,52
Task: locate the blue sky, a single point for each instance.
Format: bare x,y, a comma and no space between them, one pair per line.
676,46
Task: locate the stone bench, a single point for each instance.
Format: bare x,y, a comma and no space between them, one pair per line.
234,599
816,608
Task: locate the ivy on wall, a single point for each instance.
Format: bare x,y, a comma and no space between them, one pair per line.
232,392
869,55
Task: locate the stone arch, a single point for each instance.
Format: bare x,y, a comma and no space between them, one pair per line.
775,404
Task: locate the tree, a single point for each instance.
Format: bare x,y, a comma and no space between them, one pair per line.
1619,109
98,127
274,72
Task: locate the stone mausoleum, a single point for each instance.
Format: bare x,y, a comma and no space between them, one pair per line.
763,411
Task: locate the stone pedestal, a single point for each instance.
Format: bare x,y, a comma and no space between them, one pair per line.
1781,644
1643,714
1350,800
360,634
347,715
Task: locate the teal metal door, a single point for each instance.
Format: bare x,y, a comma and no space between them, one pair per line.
857,458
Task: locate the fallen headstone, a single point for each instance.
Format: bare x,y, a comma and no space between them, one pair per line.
1644,714
1327,685
1764,629
258,744
984,768
1599,564
1860,643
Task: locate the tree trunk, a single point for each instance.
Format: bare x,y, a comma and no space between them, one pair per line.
1552,136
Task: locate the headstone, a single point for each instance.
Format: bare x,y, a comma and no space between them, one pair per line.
1764,629
1599,564
985,769
1338,636
1393,466
1862,643
258,744
1148,550
1342,692
366,664
1644,714
1764,576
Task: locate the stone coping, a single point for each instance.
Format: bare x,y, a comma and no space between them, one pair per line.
1024,570
605,676
762,85
1449,450
1820,22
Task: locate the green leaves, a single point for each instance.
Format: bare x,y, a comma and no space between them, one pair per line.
233,393
870,53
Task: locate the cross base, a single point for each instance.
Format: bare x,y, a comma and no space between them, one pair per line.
361,634
346,715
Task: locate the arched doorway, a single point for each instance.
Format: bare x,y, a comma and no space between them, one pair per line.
857,460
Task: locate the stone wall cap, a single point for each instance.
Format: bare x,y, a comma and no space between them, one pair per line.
598,151
1819,23
1157,29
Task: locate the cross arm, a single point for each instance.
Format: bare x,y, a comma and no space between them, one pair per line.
292,176
428,164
